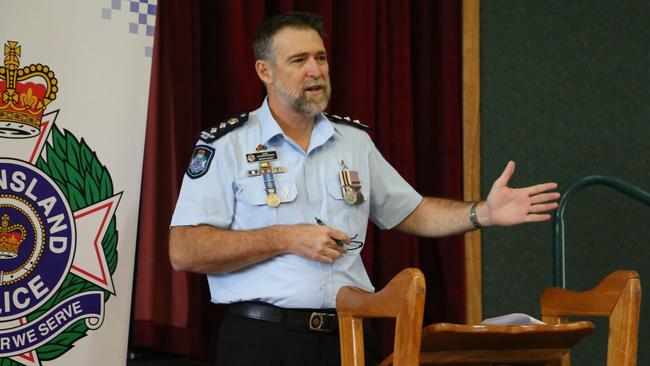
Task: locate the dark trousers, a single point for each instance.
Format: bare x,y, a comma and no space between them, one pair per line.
248,342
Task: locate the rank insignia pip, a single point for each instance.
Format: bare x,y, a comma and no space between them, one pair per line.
212,134
201,159
347,121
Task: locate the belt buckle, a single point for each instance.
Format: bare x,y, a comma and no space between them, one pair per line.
317,320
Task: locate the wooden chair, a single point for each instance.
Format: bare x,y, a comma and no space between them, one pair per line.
617,297
402,298
462,344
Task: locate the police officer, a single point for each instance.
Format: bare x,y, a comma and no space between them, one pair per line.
274,207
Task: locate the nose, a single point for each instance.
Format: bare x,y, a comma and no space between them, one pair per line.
313,69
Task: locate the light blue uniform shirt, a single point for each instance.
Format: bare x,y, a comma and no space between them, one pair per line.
227,197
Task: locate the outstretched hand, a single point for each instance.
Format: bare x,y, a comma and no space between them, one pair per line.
510,206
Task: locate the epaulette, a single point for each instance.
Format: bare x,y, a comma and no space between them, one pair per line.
213,133
346,121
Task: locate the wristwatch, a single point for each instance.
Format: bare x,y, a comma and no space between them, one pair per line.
472,216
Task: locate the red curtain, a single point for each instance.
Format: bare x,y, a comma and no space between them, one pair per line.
395,65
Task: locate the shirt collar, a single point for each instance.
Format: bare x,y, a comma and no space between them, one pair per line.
323,131
269,126
323,128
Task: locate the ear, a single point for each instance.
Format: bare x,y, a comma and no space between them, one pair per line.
264,71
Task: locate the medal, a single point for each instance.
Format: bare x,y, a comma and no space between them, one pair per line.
360,198
350,186
349,195
273,199
267,171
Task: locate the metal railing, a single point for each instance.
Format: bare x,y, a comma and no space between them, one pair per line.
559,268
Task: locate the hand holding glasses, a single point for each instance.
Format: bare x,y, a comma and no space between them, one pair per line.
354,244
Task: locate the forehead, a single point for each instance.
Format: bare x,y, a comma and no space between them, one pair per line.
290,41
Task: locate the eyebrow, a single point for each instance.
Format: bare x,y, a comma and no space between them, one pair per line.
305,54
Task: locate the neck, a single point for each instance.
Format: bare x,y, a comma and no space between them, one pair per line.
295,125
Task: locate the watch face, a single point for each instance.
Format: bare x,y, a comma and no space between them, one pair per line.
472,216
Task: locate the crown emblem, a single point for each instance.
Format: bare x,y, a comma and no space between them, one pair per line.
24,94
11,237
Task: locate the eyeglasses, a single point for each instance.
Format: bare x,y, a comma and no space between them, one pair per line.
354,244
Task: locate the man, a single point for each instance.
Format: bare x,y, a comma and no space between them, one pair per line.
275,204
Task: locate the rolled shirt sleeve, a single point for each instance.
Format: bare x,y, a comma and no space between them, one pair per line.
208,199
392,198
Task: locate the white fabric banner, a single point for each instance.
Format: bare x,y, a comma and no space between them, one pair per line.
74,87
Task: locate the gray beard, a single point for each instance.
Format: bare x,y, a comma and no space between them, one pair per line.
311,106
302,104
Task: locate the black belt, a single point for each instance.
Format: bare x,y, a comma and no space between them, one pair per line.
319,320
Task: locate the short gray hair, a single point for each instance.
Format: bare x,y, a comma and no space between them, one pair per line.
263,40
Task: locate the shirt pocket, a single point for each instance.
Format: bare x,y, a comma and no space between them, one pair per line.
251,209
351,219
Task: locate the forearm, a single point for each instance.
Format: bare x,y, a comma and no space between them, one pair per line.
436,217
206,249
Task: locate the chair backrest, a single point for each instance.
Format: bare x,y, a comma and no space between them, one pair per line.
617,297
402,298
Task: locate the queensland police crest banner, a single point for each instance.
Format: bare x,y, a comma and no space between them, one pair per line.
74,86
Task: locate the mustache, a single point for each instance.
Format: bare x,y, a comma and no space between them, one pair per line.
315,84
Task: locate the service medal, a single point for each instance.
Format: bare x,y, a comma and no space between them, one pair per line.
350,196
273,200
360,198
350,186
267,171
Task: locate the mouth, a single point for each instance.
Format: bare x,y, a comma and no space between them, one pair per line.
314,89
